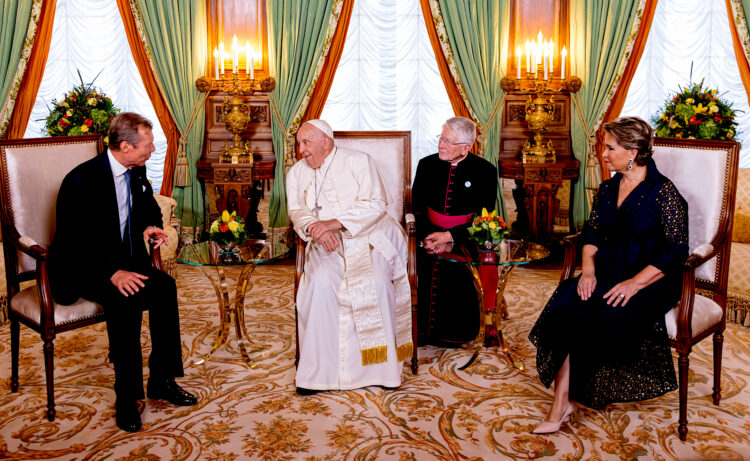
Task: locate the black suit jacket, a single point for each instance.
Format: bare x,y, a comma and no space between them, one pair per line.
87,247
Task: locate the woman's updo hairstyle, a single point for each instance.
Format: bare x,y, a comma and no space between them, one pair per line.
633,133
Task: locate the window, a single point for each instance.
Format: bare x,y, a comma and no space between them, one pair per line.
88,36
388,78
689,33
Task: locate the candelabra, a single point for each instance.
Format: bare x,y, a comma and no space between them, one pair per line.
235,114
539,111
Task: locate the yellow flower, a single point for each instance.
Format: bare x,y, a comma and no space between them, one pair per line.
713,108
69,113
493,214
91,101
106,140
674,124
484,213
215,226
493,224
690,100
84,128
225,216
699,109
233,226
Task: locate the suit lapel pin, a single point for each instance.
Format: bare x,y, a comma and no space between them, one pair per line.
467,184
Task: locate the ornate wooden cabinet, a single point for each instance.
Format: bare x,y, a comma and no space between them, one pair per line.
237,187
536,183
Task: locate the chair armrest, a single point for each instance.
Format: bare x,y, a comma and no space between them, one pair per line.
701,254
299,264
570,245
411,262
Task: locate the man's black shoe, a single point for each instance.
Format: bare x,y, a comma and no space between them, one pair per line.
305,391
167,389
127,418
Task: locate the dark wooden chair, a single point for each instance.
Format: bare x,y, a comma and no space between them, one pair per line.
392,153
705,173
32,171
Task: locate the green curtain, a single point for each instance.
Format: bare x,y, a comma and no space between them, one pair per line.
599,37
15,16
177,34
478,34
296,38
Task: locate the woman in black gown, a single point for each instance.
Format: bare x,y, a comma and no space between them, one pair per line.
601,337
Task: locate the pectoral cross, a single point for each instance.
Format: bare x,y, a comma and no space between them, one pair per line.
316,210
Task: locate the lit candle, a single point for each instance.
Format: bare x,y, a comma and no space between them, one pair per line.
221,56
551,57
216,63
528,57
545,59
539,41
252,68
518,62
563,54
235,55
248,64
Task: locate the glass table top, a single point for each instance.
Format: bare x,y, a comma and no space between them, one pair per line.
506,253
251,251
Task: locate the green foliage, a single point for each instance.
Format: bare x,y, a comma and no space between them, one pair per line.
83,110
696,113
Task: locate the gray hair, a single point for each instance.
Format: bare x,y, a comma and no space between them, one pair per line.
463,127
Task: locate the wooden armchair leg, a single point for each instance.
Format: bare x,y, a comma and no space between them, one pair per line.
718,346
49,371
683,363
414,356
14,334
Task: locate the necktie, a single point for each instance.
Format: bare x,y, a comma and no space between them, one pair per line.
126,238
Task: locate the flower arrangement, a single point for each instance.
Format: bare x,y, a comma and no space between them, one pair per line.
696,113
83,110
229,228
488,228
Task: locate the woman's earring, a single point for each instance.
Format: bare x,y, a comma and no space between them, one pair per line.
630,164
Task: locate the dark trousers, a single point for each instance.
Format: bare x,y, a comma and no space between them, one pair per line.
124,315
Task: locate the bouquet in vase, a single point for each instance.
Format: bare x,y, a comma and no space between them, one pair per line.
228,231
488,229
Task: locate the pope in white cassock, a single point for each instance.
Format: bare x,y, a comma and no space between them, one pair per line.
353,302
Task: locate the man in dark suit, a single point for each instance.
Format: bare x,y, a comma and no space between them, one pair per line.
105,210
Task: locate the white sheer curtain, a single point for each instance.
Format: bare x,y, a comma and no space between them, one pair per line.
88,37
686,32
388,78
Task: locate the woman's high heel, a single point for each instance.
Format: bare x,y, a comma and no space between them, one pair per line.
548,427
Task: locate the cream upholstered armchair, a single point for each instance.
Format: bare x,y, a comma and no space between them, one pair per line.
705,173
32,171
391,151
171,226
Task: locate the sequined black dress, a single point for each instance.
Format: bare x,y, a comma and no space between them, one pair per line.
619,354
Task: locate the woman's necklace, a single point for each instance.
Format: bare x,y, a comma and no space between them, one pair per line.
317,208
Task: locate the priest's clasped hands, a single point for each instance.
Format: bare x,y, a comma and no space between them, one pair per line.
322,232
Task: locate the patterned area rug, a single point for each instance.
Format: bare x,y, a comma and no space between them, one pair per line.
484,412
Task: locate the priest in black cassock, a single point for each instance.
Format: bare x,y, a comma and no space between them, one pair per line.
449,189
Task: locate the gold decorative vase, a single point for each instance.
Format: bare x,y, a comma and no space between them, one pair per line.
539,114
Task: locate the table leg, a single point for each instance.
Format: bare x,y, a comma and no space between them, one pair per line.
491,319
232,312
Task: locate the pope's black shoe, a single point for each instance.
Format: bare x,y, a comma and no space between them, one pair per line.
305,391
127,418
167,389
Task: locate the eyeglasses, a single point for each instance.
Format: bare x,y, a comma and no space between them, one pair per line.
442,139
